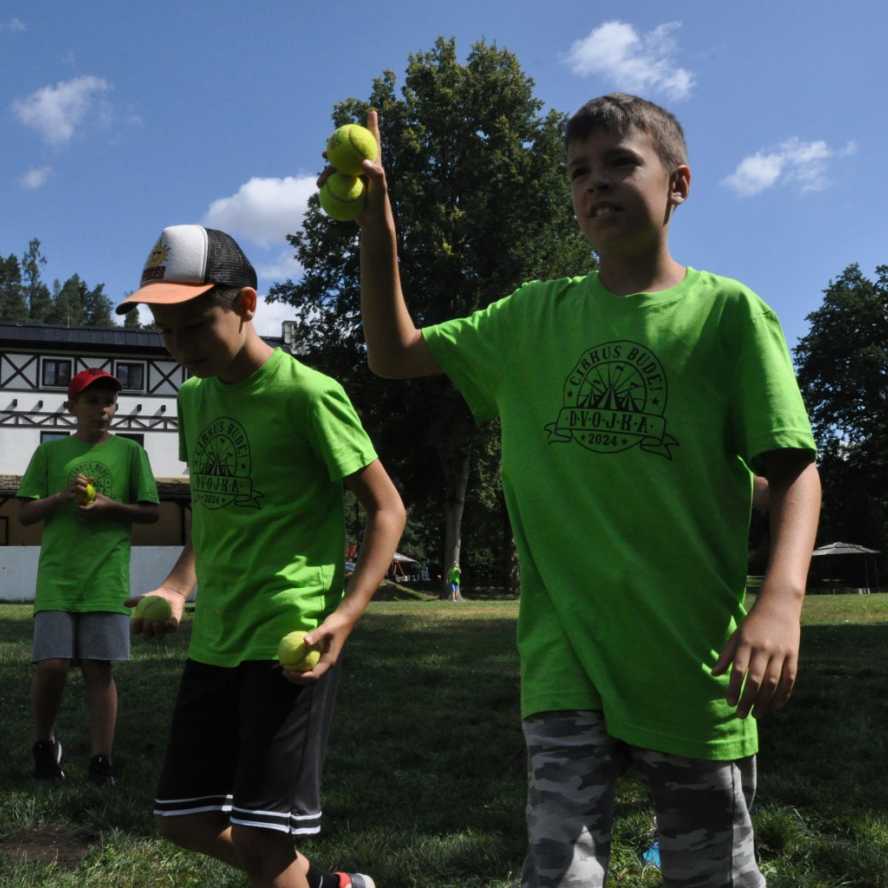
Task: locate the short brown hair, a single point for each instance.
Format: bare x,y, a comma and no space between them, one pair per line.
223,295
618,112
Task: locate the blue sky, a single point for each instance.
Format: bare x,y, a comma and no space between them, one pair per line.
117,119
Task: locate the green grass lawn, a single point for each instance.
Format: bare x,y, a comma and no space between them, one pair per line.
424,783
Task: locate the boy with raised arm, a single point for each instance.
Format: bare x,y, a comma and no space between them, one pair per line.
635,403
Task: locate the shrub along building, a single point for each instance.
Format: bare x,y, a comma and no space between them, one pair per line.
36,364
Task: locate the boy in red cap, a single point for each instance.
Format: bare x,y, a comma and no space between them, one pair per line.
88,489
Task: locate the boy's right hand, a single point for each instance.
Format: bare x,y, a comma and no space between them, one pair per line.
153,628
76,490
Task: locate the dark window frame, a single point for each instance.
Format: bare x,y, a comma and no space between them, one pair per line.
53,436
142,365
46,362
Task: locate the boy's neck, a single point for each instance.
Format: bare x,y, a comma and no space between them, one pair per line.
91,438
255,352
626,274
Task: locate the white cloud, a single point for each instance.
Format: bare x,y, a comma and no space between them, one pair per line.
35,177
14,26
270,316
263,211
268,320
793,162
55,111
284,267
633,62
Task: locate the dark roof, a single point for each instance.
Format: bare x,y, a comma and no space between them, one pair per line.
79,337
95,338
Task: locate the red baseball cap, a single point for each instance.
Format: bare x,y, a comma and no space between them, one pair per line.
86,378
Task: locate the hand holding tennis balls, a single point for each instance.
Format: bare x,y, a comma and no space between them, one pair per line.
295,655
153,614
342,197
349,147
342,193
154,608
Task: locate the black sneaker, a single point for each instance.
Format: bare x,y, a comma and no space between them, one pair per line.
48,760
100,771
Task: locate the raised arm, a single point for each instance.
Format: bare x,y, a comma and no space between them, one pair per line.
395,347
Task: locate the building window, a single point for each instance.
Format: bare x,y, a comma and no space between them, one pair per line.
131,375
52,436
56,372
139,439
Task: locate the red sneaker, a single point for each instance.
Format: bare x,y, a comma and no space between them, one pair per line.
354,880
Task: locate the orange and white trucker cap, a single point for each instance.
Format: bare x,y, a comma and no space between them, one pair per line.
186,262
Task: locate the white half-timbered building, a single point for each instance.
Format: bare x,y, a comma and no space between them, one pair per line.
36,364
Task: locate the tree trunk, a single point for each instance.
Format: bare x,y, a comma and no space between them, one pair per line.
454,437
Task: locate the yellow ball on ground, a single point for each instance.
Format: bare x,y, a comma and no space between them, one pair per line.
153,607
295,654
342,197
349,147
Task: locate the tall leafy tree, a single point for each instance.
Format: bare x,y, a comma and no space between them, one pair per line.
12,301
74,304
34,290
842,367
67,305
476,176
97,307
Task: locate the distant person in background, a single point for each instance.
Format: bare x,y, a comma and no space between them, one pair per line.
454,578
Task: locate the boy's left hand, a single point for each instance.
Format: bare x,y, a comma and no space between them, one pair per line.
101,507
329,638
764,651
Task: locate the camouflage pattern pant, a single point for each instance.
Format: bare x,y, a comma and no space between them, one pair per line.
702,808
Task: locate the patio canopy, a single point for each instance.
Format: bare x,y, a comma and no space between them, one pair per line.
844,549
844,567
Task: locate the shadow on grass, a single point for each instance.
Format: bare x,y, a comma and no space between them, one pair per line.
827,750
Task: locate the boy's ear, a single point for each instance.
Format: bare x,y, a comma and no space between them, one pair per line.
246,303
680,184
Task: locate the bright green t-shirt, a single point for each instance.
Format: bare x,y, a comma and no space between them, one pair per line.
267,457
85,564
628,428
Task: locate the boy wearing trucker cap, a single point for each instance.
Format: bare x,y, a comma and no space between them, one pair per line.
87,489
270,443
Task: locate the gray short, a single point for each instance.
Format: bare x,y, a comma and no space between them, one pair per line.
702,808
73,636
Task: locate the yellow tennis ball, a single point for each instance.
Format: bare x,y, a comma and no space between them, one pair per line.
295,654
349,147
90,493
153,607
342,197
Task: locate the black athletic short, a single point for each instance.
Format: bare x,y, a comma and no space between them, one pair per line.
248,743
